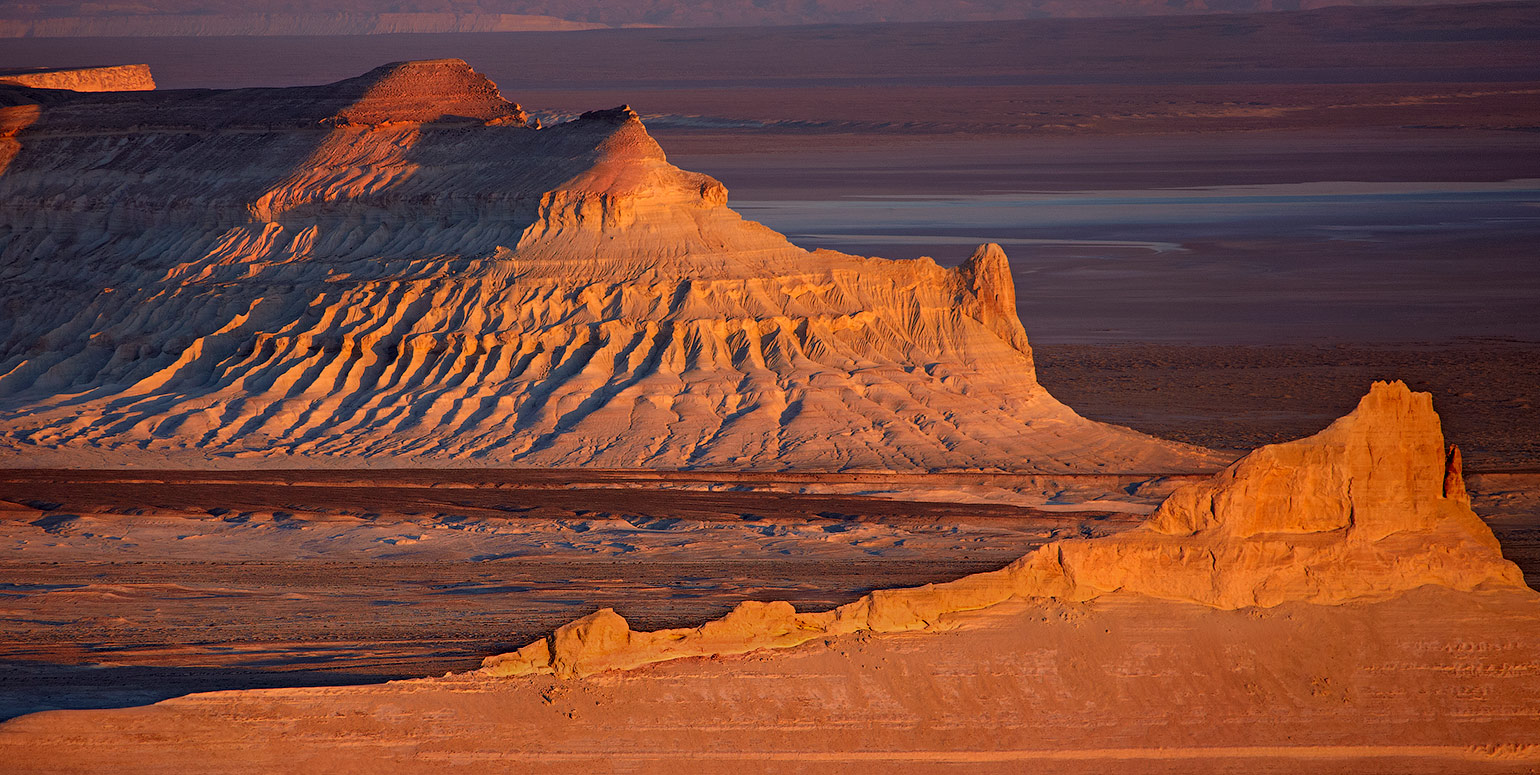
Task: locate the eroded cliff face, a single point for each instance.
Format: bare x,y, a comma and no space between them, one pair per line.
1365,510
401,268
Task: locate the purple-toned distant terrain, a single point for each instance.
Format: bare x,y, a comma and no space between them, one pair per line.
343,17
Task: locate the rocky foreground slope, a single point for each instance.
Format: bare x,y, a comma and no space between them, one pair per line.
1367,509
402,269
1327,605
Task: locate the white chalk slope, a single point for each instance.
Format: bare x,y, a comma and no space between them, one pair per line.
400,269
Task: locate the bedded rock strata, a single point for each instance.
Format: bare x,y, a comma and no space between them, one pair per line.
1364,510
401,268
93,79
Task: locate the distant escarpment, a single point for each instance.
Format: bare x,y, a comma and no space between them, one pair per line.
402,268
78,18
1365,510
242,22
113,78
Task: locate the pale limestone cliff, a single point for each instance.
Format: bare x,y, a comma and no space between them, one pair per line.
400,268
1367,509
114,78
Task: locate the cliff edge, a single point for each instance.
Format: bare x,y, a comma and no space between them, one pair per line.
1365,510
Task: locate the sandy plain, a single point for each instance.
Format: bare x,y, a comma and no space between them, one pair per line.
1046,680
174,583
129,587
113,580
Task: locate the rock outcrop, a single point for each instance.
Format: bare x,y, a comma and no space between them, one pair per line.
400,268
1367,509
114,78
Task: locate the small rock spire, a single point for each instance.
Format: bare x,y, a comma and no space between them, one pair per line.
1454,478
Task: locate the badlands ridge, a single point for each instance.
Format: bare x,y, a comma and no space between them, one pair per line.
1326,605
402,269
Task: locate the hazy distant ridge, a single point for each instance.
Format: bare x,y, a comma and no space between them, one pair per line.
169,25
282,17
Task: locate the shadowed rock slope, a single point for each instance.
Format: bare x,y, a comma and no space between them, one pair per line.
400,268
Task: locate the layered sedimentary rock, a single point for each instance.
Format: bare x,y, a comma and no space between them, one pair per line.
114,78
1367,509
402,268
1328,605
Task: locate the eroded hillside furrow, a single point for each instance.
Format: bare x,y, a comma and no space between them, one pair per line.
399,268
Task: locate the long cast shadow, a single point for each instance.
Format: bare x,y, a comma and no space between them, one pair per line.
31,687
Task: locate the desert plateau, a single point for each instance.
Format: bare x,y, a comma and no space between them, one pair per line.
926,386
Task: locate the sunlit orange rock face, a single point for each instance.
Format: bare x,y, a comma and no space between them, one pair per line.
1369,625
1356,512
88,79
401,269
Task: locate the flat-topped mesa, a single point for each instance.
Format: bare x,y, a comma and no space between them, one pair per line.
443,92
1364,510
398,267
83,79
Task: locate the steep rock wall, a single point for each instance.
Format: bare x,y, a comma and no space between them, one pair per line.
1364,510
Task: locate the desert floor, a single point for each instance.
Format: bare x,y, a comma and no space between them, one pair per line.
1221,237
1121,684
124,588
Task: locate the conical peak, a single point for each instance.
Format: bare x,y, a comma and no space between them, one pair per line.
424,91
620,135
624,159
